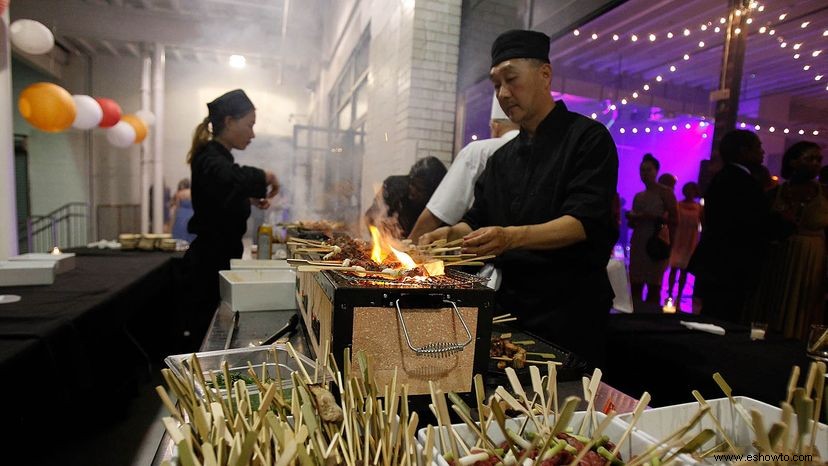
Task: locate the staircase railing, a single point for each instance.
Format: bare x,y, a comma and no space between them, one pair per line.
65,227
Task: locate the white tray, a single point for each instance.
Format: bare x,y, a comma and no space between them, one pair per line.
65,260
26,273
660,422
259,289
636,444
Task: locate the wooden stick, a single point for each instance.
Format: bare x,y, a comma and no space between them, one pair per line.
503,321
639,408
702,402
530,361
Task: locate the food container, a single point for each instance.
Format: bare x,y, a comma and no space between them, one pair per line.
660,422
258,289
64,261
635,445
237,362
27,273
242,264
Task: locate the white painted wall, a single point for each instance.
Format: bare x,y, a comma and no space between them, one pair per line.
8,219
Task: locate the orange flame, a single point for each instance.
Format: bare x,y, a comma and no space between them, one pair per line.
376,245
404,259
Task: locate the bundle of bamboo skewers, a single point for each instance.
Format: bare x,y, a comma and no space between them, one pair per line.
283,426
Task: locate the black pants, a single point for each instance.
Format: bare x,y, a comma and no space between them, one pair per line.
203,260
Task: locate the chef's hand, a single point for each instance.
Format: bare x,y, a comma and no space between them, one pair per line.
273,182
263,203
487,240
438,234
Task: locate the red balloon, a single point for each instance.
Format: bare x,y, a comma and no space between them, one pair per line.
111,112
3,5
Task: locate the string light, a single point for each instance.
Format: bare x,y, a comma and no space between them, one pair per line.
635,130
594,36
658,78
670,35
615,37
804,24
576,32
672,68
801,132
594,116
757,127
722,20
796,56
782,16
701,44
786,131
762,30
737,31
686,57
772,32
703,27
749,21
647,130
633,37
622,131
817,77
686,32
635,94
796,46
815,133
816,53
646,87
687,126
806,67
674,127
660,129
771,129
623,101
717,29
653,37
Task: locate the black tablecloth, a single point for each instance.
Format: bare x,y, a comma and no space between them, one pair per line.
658,354
76,347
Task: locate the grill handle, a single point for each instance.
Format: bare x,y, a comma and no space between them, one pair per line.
438,349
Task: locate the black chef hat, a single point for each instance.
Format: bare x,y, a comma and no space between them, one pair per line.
235,104
519,43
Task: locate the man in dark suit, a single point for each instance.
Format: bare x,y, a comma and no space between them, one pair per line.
737,230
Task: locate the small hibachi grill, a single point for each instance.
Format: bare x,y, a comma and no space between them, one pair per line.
434,328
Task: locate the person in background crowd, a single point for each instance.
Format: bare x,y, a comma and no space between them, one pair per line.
543,205
455,194
738,228
651,209
388,212
222,192
690,218
181,210
791,292
669,180
425,176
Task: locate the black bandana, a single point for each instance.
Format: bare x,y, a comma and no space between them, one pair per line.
520,44
234,103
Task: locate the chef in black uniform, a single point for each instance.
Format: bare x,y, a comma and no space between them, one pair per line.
222,193
543,205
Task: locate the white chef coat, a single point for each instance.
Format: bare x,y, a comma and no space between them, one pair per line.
455,194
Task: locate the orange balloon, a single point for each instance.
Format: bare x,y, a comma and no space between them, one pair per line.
47,107
138,125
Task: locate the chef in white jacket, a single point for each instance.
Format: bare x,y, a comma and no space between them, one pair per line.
455,194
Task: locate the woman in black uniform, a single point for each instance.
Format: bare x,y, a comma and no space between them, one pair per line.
222,192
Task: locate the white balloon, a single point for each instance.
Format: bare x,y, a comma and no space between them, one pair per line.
31,36
121,135
89,112
147,116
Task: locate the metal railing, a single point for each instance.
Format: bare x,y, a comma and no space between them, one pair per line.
65,227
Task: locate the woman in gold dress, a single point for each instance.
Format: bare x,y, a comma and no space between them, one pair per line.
793,291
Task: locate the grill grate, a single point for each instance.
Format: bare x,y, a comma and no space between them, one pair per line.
451,279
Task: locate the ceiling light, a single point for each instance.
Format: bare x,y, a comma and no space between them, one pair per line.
771,129
237,61
772,32
687,126
594,116
801,132
635,130
633,37
646,87
670,35
576,32
806,67
796,46
658,78
635,95
622,131
672,68
786,131
796,56
703,27
804,24
674,127
623,101
594,36
652,37
722,20
737,31
816,53
762,30
686,32
782,16
815,133
686,57
701,44
717,29
757,127
660,129
615,37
